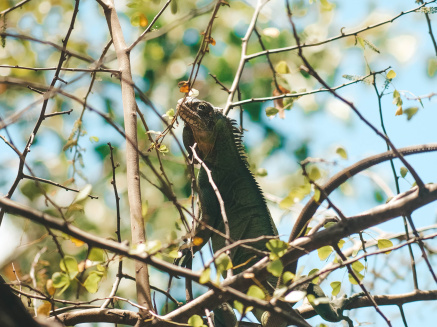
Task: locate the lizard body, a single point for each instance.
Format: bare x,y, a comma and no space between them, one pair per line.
219,147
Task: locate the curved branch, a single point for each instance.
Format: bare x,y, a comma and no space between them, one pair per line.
389,299
310,208
400,205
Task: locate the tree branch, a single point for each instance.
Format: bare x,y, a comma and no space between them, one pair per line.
132,157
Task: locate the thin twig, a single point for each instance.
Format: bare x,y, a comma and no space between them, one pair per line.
354,275
217,193
42,180
18,5
301,94
431,34
243,57
396,180
310,70
147,30
87,70
340,36
118,278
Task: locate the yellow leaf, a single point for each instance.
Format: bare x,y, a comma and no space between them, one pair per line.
49,287
184,88
391,74
341,152
336,287
324,252
76,241
44,309
399,111
143,20
197,241
282,67
205,276
317,195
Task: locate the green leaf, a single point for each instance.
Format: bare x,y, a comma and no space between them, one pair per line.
432,67
326,5
261,172
371,46
287,277
313,272
69,266
170,113
97,254
329,224
352,279
240,307
60,280
92,281
275,268
324,252
288,102
94,139
163,148
174,254
223,263
205,276
336,287
256,292
391,74
361,41
314,173
271,111
397,99
378,196
317,195
404,171
282,67
384,244
277,248
357,266
195,321
296,194
410,112
341,243
174,7
341,152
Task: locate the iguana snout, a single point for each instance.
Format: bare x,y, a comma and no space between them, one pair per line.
199,116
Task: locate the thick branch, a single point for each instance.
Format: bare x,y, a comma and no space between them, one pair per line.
310,208
390,299
400,205
132,157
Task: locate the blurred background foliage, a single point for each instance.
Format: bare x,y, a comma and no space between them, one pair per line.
72,149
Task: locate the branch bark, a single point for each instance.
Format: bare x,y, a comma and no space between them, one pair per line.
402,204
132,157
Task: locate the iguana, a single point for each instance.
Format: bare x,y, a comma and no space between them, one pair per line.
219,146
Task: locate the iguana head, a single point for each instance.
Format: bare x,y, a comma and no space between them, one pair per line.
198,114
200,118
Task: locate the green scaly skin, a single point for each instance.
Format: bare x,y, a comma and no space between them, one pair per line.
219,147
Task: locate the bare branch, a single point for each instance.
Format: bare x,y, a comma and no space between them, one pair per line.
132,157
